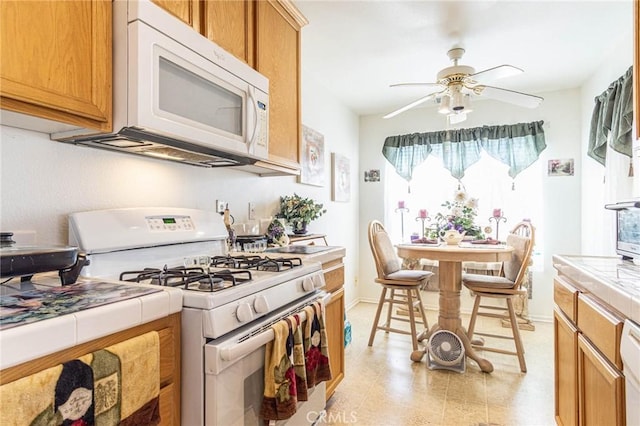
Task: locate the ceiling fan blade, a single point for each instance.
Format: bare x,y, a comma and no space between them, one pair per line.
416,84
510,96
413,104
495,73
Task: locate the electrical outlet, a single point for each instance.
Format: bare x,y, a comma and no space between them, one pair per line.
220,206
252,211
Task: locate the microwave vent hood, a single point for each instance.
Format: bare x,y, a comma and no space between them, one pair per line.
137,141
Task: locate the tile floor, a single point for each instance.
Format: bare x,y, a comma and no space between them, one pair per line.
383,387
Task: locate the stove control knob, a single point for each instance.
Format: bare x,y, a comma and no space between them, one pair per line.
307,284
261,305
244,313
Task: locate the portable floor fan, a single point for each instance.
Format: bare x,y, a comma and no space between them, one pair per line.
445,351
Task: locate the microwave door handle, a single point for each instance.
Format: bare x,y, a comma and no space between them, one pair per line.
254,106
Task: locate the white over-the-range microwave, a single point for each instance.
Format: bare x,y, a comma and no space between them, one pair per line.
178,96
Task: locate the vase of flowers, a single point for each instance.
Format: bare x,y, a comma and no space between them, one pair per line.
299,212
459,215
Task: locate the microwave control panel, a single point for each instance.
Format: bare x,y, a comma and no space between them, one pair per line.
263,124
170,223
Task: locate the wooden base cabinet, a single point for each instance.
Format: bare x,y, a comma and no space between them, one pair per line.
600,388
566,370
334,312
168,329
55,61
589,384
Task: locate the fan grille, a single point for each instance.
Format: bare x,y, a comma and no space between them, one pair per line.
446,348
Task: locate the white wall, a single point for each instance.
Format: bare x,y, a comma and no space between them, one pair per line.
598,224
42,181
559,227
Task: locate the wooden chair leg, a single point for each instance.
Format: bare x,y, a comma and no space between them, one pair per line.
412,319
516,335
474,317
392,298
422,312
374,328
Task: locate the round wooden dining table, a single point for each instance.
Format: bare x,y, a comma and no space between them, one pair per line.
450,258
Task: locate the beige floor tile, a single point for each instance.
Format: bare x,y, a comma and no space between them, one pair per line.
383,387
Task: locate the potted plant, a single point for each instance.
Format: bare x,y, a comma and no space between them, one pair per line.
299,211
459,216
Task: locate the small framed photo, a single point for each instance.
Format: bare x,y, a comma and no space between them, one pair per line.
560,167
372,175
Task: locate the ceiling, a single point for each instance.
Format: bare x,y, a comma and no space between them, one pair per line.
358,48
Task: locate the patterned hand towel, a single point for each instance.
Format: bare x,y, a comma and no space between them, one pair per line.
137,392
280,394
298,357
315,346
58,395
113,386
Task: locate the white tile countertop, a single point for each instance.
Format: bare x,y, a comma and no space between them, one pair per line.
610,279
28,341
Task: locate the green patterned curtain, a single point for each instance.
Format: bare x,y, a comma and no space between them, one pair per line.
516,145
612,119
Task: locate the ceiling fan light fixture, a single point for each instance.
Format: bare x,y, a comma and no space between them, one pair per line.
445,104
457,101
466,102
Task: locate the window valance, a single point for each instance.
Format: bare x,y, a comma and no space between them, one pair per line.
612,119
516,145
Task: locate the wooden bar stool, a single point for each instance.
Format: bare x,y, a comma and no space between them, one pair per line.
399,286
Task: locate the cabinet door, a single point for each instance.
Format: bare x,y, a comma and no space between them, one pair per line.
278,58
334,312
565,339
229,24
601,388
188,11
55,60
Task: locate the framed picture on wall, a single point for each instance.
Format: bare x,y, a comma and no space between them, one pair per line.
340,178
560,167
312,157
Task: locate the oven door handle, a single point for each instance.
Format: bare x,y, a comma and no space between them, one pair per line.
250,345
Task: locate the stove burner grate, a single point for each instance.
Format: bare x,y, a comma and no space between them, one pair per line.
256,262
191,278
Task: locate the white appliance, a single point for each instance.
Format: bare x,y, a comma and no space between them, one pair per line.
178,96
229,302
630,353
627,228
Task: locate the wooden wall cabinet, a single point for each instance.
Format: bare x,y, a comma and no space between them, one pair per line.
168,329
55,61
334,311
589,385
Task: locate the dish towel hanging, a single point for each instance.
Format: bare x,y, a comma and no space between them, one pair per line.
315,346
280,393
298,357
118,385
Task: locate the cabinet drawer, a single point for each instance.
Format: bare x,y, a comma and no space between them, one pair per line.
602,327
566,297
333,277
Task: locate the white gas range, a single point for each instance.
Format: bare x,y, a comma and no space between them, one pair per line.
229,301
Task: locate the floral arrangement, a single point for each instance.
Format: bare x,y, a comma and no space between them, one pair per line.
460,215
297,210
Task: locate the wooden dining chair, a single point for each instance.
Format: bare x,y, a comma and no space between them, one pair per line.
506,286
399,286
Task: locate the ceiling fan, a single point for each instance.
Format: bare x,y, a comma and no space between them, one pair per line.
458,83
